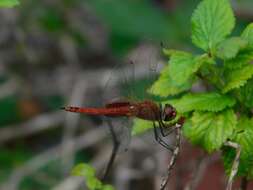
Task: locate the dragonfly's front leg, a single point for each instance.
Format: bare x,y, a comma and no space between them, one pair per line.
159,139
163,127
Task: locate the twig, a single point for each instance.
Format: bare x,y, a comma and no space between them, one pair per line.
35,125
81,142
173,157
235,165
71,123
75,96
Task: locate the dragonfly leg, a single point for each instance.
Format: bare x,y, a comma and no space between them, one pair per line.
116,144
160,140
171,128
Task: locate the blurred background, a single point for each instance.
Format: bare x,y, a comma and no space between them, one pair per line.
63,52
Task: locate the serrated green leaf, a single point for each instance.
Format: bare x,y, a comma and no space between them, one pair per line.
210,130
248,34
183,65
245,55
212,21
244,138
202,102
140,126
8,3
242,59
165,86
230,47
245,94
178,76
84,170
237,78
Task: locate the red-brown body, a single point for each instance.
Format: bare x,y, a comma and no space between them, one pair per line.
147,110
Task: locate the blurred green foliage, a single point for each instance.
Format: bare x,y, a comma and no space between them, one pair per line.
12,158
88,172
8,3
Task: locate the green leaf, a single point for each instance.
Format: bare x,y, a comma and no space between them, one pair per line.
178,76
183,65
140,126
202,102
8,3
165,86
230,47
248,34
87,171
245,55
243,58
237,78
93,183
212,21
210,130
244,138
84,170
245,94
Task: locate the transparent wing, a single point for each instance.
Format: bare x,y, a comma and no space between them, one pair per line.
147,64
118,78
130,80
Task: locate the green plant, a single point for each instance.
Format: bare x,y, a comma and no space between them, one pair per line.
8,3
92,182
222,112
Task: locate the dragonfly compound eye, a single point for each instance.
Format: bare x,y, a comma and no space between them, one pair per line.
169,112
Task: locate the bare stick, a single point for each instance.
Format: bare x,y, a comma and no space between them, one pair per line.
71,124
35,125
235,165
173,157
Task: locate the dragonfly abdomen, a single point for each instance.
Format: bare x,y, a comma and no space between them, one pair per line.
115,112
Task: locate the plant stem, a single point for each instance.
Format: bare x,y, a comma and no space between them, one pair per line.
235,165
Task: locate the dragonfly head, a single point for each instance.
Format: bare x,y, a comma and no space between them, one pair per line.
169,112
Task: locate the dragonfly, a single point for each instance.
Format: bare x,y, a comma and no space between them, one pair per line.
146,110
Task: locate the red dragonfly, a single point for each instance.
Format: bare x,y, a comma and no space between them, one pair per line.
147,110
